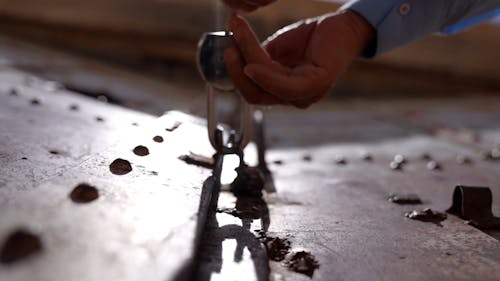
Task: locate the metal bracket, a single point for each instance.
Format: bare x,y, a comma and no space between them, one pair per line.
237,141
474,205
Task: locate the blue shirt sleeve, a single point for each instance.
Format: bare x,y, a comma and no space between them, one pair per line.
398,22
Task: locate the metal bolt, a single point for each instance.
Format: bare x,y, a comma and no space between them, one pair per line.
398,158
396,165
433,166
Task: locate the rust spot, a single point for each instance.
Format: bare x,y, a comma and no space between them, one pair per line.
141,150
120,167
340,160
19,245
74,107
249,182
302,262
158,139
84,193
277,248
367,157
404,199
427,215
13,92
35,102
278,162
426,156
463,160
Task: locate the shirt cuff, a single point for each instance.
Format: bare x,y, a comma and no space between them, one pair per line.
398,21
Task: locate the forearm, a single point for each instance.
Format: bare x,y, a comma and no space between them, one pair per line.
399,22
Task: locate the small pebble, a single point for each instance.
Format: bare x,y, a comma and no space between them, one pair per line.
427,215
302,262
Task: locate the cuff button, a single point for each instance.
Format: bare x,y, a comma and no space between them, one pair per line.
404,9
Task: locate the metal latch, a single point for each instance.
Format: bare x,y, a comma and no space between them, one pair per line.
473,204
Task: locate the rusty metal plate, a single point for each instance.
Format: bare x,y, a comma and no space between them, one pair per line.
141,224
339,212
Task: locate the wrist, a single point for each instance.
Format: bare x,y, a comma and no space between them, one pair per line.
362,31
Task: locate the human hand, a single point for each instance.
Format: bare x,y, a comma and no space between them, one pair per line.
299,63
248,5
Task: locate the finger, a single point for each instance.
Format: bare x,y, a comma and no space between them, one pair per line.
251,92
287,45
299,83
303,104
260,2
247,41
241,5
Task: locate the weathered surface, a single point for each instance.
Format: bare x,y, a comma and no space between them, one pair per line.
142,226
344,217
